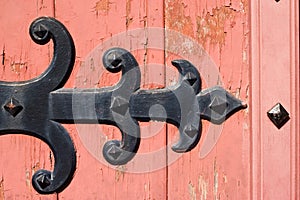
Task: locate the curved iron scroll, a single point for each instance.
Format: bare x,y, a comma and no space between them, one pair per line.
25,106
38,106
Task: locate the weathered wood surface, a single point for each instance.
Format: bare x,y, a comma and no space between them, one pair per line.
248,47
219,167
275,78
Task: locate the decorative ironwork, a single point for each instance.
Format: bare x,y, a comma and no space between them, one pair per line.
25,106
38,106
278,115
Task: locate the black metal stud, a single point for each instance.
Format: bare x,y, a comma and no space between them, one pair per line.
278,115
38,106
43,180
13,107
218,105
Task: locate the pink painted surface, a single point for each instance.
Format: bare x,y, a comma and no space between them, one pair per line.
275,78
218,168
251,48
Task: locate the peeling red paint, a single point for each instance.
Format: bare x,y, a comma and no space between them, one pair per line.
36,167
181,177
120,173
212,26
192,191
215,180
202,188
129,19
17,67
3,56
2,189
177,19
102,6
40,5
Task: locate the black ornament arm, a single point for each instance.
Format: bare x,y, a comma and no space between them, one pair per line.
41,31
106,106
184,105
176,105
46,182
216,104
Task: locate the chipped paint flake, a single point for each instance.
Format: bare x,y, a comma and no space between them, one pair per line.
35,168
2,188
192,191
18,66
120,172
216,180
178,20
202,188
225,180
28,178
129,19
245,59
212,26
102,6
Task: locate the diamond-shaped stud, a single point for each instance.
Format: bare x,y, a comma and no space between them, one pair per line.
191,131
191,78
40,31
278,115
119,105
218,105
43,181
114,152
13,107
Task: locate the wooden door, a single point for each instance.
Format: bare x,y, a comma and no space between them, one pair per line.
275,78
250,48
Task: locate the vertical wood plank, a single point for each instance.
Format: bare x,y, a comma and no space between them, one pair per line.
22,59
275,75
220,30
97,25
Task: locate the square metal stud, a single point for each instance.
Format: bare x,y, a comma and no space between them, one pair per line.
13,107
278,115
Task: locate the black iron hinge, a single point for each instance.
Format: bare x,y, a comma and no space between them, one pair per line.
38,107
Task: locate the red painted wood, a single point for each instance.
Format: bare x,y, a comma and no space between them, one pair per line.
275,78
251,48
221,30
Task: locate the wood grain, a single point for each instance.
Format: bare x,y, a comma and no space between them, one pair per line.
275,78
220,29
248,47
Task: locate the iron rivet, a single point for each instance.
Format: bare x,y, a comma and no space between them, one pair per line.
13,107
278,115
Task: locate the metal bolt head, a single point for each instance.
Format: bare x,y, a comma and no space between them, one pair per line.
191,131
43,180
40,32
114,152
119,105
278,115
191,78
218,105
112,60
13,107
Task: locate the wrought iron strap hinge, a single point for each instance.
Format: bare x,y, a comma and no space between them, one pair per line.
38,107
